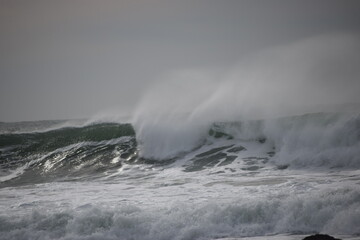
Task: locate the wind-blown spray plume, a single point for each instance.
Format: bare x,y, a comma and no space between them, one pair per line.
318,74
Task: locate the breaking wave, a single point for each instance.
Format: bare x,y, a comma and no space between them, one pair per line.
321,140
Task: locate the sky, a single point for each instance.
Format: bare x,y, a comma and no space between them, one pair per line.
79,58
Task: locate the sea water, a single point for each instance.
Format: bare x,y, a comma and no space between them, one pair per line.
278,178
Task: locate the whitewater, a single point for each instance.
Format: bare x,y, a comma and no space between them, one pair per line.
282,178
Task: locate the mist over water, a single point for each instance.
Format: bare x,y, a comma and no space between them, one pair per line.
318,74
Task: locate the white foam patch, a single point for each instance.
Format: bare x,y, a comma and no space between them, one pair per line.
334,211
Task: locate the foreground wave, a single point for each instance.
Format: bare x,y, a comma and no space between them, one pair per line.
247,216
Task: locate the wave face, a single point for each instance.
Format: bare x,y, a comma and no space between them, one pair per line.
65,152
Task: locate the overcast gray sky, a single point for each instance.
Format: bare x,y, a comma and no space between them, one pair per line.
62,59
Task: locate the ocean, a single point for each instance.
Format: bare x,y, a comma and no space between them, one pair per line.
276,178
